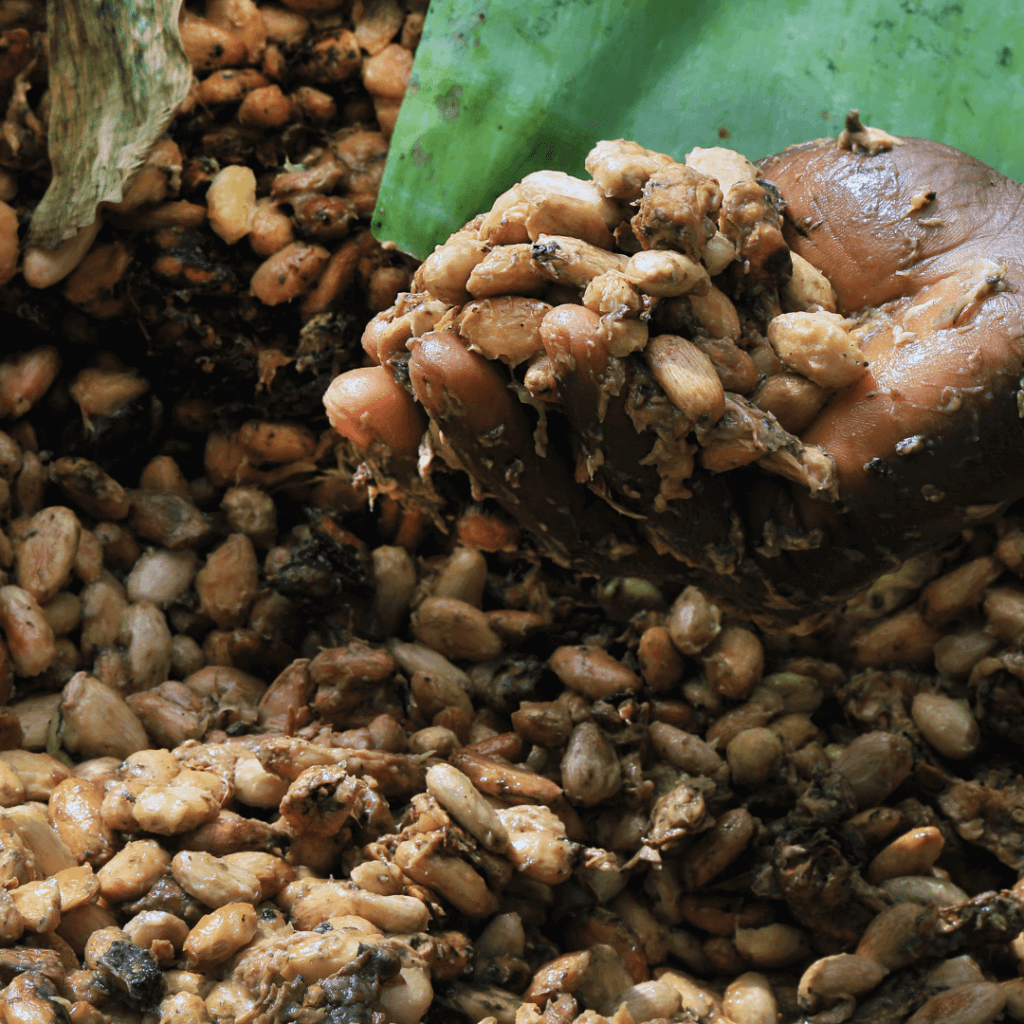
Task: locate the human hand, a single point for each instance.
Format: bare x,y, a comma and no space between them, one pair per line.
925,441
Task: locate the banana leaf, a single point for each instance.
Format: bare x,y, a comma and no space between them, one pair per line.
504,87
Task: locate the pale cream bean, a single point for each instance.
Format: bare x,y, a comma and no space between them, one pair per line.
213,881
273,873
255,786
284,27
251,511
380,877
288,273
173,809
395,573
954,972
78,886
220,935
183,1007
688,378
717,848
913,853
898,935
39,773
435,693
665,274
25,378
773,946
151,926
75,810
538,846
947,724
958,652
30,639
808,290
231,199
133,870
505,327
445,273
146,641
466,804
413,658
207,45
151,765
42,268
818,346
647,1000
96,722
12,788
38,905
621,168
32,826
507,270
684,749
459,882
750,1000
12,926
407,1000
924,889
161,576
1013,989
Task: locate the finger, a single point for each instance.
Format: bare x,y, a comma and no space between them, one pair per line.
693,521
933,427
484,424
869,224
377,415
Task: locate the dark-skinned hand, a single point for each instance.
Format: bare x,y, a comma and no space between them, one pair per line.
923,248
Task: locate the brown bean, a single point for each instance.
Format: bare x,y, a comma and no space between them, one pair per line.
207,45
590,767
733,663
228,583
913,853
90,488
265,107
9,245
288,273
229,86
456,629
593,672
25,378
47,552
333,57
